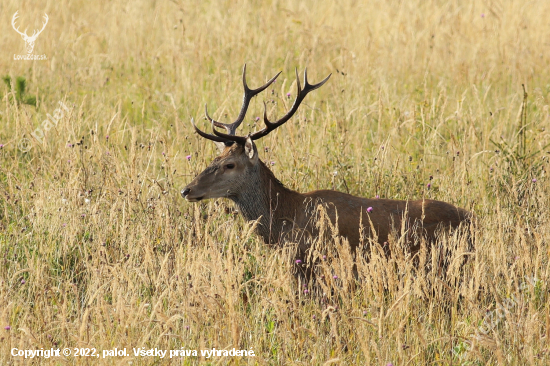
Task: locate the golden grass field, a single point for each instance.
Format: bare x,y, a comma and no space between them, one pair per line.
99,249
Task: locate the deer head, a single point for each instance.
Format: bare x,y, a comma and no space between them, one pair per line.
29,41
237,168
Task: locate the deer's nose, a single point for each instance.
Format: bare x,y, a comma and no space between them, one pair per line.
185,192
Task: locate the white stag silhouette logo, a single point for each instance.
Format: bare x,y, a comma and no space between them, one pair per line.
29,41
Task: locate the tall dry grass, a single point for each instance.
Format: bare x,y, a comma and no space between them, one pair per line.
99,249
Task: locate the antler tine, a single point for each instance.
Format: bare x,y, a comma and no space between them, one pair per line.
270,126
298,80
309,87
238,139
207,135
231,128
207,115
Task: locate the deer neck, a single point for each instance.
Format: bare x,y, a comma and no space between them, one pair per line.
266,199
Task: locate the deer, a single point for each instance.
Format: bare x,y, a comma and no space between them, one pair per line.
29,41
284,215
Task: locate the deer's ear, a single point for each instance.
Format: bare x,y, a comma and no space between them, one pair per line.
250,149
220,146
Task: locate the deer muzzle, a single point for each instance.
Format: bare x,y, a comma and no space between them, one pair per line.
189,196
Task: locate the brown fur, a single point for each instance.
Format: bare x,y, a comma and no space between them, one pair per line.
285,215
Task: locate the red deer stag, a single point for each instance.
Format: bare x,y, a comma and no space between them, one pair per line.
285,215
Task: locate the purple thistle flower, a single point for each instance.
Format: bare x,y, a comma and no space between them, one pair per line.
482,15
7,327
1,146
257,119
288,95
324,257
107,137
298,261
272,163
429,185
377,196
188,157
23,282
534,180
266,149
335,277
306,291
163,154
369,209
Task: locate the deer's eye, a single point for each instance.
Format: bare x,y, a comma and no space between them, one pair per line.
230,166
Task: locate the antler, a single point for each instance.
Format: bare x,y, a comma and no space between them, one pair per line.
13,19
270,126
207,135
231,128
34,34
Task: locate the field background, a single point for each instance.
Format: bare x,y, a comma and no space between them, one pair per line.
98,249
